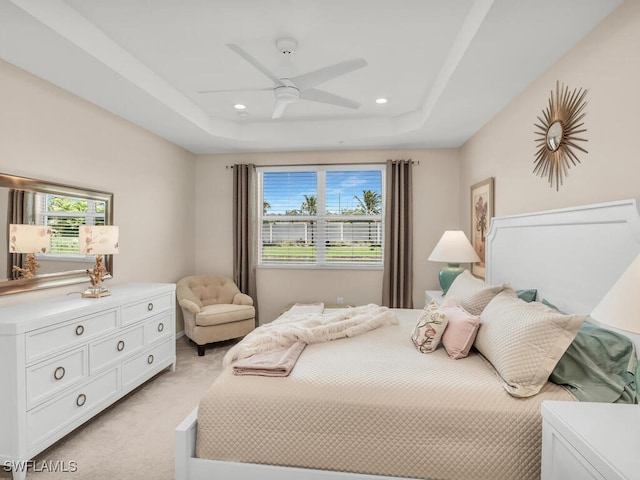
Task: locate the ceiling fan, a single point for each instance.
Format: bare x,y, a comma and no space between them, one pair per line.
289,90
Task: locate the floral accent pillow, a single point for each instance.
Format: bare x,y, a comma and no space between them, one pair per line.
429,328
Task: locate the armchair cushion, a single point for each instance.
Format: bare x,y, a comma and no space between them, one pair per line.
224,313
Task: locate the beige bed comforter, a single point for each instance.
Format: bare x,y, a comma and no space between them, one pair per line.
374,404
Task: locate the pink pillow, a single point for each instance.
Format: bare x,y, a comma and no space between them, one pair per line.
461,330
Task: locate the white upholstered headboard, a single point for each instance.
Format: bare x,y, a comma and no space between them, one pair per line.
572,256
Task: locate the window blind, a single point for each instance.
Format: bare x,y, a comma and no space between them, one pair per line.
322,216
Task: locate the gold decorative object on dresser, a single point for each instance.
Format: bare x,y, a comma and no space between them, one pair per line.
66,359
557,134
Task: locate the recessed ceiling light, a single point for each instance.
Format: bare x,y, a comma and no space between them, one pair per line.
239,106
381,100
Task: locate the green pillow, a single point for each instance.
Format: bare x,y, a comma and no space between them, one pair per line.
549,304
527,295
599,366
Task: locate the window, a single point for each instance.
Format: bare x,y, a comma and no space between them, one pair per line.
322,216
64,215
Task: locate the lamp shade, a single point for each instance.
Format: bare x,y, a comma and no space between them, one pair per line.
98,239
454,247
29,238
620,307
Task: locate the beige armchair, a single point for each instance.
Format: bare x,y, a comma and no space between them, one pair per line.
214,309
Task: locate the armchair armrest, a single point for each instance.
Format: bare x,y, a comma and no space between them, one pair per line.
189,305
242,299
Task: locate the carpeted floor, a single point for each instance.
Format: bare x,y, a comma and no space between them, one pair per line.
134,438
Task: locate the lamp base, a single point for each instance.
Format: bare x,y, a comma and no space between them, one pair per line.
448,274
96,292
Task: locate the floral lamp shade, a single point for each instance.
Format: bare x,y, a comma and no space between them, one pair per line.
29,238
98,239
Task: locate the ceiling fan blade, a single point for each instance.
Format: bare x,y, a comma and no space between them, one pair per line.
254,62
237,90
311,79
321,96
279,108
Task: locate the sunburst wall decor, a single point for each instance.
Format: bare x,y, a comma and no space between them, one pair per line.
558,132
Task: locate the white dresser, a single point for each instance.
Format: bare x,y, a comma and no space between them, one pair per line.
586,440
63,360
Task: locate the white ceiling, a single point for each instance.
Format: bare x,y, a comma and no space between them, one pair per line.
446,66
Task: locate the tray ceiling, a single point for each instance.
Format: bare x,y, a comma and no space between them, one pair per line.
446,67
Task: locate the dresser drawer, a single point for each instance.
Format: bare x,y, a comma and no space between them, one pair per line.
158,327
45,341
54,416
146,364
115,348
48,377
140,310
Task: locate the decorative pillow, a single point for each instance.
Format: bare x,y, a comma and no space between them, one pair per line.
524,341
551,305
461,330
471,293
527,295
429,328
598,366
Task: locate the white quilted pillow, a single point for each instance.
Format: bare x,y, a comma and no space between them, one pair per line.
471,293
524,341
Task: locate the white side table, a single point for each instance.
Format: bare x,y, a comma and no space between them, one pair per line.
585,440
433,295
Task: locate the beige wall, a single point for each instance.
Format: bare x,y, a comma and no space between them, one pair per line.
52,135
47,133
436,199
606,63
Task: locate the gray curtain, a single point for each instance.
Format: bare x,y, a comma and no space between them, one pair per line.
244,231
21,209
397,285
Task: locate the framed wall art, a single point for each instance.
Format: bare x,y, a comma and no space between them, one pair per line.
481,214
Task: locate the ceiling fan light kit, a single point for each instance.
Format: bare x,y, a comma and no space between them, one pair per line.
289,90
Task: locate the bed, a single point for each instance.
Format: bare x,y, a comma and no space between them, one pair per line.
372,407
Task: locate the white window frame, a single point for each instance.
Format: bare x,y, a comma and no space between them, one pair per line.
90,217
321,218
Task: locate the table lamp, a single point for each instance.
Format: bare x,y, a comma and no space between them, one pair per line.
620,307
29,239
453,248
97,240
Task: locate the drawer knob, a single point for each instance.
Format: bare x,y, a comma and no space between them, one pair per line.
79,330
120,345
81,400
150,359
59,373
160,326
150,306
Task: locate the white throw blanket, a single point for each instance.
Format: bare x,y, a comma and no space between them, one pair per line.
311,328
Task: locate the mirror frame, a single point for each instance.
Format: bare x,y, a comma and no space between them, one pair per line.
59,279
565,108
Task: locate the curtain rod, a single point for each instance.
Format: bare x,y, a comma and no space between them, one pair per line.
413,162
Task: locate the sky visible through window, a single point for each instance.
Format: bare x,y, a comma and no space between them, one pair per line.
285,191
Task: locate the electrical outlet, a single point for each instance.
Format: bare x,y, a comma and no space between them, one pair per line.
340,300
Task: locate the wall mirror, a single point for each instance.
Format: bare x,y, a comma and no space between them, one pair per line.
557,134
61,207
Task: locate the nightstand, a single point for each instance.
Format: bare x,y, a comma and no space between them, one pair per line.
436,295
585,440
